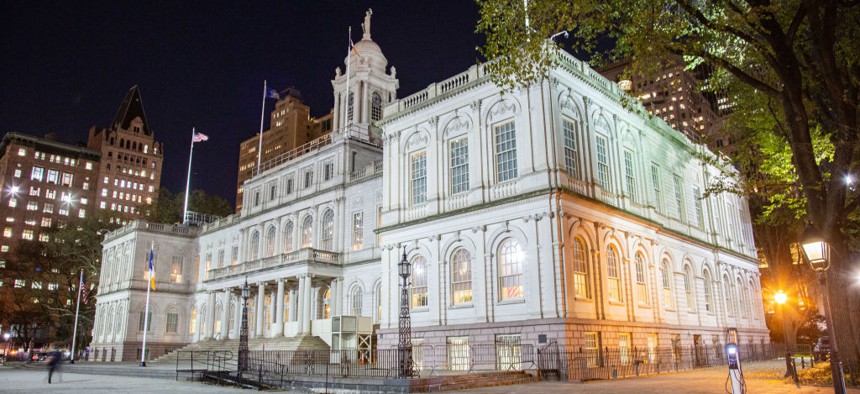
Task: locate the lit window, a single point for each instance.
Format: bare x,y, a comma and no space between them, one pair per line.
327,234
459,165
22,152
82,213
357,230
641,284
375,107
46,222
510,270
88,166
32,206
307,231
613,273
580,269
17,173
13,202
37,173
506,152
418,173
27,234
418,288
592,348
355,301
7,232
461,277
172,323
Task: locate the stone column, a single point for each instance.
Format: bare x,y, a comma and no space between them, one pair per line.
225,314
279,309
340,296
261,295
210,316
237,320
292,306
335,294
300,315
306,306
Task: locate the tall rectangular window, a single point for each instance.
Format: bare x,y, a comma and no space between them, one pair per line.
419,178
592,348
328,171
700,217
571,159
679,193
624,348
234,255
357,230
309,178
458,353
68,179
602,163
176,270
290,185
506,152
629,177
53,177
655,184
459,165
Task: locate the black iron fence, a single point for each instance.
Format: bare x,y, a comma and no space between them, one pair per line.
580,364
274,367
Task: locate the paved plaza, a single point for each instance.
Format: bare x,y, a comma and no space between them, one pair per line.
760,380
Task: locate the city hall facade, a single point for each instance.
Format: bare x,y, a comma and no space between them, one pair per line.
548,214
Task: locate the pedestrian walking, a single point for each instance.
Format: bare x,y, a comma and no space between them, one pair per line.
54,360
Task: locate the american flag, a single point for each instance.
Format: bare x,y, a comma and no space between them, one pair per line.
199,137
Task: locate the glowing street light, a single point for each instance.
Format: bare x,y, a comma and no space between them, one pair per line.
780,297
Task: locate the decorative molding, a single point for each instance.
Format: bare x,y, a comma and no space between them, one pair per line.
417,139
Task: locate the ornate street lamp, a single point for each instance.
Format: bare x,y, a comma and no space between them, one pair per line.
6,351
817,253
404,345
243,334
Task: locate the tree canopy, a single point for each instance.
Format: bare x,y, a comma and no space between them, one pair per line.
792,63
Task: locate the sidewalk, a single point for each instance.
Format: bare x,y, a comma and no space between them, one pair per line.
759,379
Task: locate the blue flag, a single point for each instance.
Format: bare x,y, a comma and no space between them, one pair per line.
273,94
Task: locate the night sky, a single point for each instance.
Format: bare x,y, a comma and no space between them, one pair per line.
65,66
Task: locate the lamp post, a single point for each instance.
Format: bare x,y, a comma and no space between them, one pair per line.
817,253
404,345
780,298
6,350
243,333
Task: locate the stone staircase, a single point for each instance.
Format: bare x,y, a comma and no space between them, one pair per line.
307,342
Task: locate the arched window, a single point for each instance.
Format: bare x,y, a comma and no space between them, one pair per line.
270,241
580,269
192,324
510,270
255,245
668,300
708,297
375,107
641,284
613,273
378,294
461,277
727,293
355,301
742,291
327,235
689,289
326,304
418,289
307,231
571,156
755,298
231,316
288,237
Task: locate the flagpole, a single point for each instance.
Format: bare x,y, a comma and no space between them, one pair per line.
77,309
188,179
146,312
348,58
262,117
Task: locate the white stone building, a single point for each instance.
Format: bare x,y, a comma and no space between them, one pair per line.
551,213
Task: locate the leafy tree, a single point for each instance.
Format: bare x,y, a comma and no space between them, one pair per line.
802,55
169,208
44,308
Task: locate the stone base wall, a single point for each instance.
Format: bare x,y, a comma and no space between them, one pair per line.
130,351
569,333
